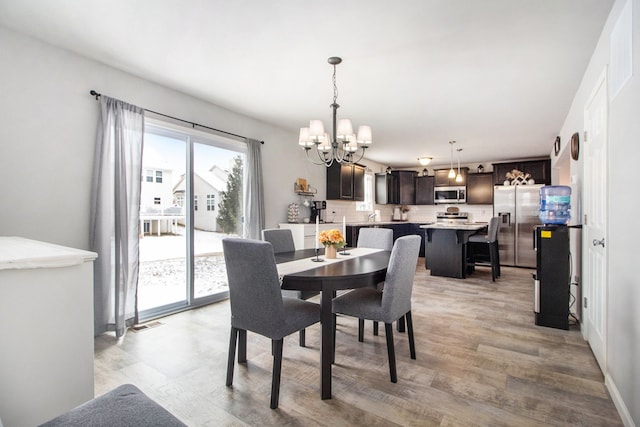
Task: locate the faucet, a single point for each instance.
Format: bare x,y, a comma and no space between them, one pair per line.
371,217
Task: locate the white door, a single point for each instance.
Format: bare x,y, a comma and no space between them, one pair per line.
594,242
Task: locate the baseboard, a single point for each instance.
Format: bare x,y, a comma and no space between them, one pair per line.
617,400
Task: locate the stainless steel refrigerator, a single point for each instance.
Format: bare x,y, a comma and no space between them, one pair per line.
518,207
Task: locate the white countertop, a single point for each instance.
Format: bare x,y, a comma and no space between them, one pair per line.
21,253
469,226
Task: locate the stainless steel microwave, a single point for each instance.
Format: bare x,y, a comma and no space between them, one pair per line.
450,194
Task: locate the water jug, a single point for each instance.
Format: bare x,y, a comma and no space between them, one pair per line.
555,204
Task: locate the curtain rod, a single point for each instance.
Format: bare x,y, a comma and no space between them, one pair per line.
98,95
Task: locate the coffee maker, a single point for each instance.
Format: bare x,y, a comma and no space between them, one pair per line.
317,207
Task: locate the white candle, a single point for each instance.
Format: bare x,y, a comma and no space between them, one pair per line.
317,244
344,228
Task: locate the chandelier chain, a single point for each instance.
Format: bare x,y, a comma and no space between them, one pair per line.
335,86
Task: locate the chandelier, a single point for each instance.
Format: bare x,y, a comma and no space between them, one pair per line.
343,144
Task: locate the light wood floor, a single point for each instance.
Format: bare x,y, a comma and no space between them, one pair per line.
480,361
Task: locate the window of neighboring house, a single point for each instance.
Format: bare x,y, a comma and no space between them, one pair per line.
195,203
149,175
367,204
180,200
211,200
159,177
156,201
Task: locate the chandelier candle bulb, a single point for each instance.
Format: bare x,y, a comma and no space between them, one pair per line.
345,129
304,140
316,130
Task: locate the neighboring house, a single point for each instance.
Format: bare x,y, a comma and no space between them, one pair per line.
206,188
159,212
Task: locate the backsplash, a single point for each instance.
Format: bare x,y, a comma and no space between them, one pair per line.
417,213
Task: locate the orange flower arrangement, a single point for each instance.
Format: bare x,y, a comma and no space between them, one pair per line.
331,238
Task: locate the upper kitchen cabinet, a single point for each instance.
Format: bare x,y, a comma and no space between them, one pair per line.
395,188
540,170
424,190
406,187
480,188
442,178
345,182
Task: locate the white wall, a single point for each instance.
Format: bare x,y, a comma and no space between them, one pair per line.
623,314
48,126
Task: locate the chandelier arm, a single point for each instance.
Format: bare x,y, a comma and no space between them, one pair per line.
322,162
361,156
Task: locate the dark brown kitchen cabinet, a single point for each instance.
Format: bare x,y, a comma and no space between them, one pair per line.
442,178
540,170
406,187
424,190
480,188
395,188
345,182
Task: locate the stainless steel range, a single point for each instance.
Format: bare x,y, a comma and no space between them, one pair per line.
452,217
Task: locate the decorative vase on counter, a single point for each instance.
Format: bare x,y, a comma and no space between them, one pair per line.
330,252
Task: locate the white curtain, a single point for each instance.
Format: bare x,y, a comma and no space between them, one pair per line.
254,196
115,205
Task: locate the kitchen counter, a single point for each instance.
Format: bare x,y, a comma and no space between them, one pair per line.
373,224
46,311
467,226
446,248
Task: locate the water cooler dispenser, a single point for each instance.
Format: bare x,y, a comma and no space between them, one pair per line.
551,295
552,277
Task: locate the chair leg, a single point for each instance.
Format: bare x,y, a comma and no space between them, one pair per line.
361,330
242,346
232,355
375,328
492,259
277,369
412,344
388,330
302,337
400,324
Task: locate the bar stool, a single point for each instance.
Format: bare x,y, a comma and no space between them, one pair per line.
490,241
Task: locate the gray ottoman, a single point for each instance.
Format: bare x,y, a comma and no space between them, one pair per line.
123,406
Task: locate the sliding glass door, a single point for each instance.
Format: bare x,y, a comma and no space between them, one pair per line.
191,199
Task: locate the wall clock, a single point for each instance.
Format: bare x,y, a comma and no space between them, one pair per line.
575,146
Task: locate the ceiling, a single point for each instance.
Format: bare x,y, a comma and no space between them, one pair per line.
497,76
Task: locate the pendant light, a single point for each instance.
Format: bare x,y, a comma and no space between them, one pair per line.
452,173
459,177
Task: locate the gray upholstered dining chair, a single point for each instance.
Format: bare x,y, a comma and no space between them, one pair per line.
490,242
282,241
257,304
392,302
377,238
280,238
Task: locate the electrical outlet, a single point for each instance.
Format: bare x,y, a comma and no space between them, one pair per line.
584,302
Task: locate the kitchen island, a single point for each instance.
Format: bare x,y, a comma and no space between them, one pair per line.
446,247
